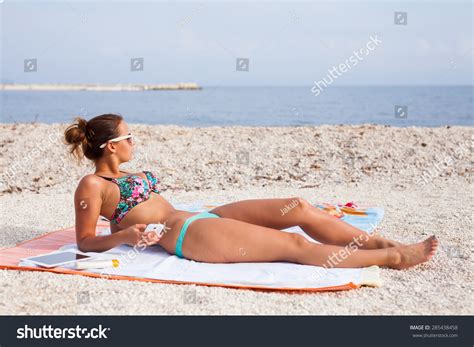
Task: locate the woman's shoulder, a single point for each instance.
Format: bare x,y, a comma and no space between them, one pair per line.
90,179
90,185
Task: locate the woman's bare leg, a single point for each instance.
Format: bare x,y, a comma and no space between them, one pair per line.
223,240
318,224
331,230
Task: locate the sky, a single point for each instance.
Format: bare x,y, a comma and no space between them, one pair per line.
286,43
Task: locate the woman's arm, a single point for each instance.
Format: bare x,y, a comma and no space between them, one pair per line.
114,228
87,203
100,243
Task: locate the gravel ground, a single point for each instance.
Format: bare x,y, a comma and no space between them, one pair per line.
407,171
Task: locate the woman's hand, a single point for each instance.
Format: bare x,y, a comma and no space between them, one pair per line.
151,238
135,235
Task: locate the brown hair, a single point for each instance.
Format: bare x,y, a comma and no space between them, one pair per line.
85,137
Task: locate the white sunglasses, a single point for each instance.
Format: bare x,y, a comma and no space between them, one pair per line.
117,139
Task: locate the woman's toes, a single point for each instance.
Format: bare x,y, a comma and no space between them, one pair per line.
416,253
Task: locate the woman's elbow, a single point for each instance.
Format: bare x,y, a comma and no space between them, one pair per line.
84,246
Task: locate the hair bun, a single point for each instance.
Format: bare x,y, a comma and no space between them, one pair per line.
81,124
75,134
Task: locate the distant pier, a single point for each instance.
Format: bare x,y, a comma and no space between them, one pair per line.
99,87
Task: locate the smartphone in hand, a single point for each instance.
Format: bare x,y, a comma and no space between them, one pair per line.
157,228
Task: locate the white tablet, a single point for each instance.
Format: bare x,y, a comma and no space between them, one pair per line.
57,258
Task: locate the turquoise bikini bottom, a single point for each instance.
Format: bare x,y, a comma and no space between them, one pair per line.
184,228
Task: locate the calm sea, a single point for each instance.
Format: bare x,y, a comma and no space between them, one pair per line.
253,106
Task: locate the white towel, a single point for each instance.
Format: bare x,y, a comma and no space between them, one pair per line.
155,263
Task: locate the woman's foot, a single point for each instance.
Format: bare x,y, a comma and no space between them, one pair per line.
386,243
407,256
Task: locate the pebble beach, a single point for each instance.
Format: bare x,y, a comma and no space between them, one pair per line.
422,177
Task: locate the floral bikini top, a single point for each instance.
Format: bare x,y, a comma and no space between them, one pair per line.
134,189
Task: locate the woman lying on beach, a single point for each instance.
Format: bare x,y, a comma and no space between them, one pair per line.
242,231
